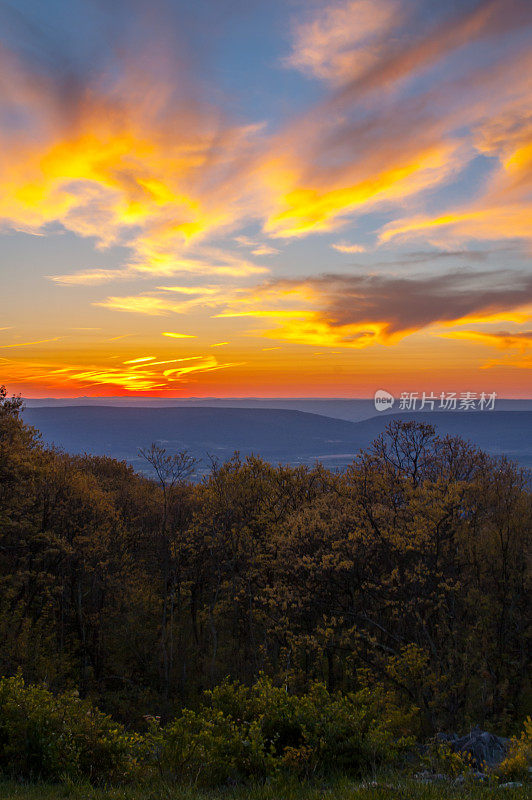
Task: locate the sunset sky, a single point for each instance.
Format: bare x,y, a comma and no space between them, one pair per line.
265,197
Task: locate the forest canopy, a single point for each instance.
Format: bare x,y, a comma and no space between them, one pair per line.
406,576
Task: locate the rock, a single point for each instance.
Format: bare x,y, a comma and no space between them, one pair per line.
377,785
484,749
510,785
430,777
445,738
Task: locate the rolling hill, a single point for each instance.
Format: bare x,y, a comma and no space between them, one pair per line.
278,435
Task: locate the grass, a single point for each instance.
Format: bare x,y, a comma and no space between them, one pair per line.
340,789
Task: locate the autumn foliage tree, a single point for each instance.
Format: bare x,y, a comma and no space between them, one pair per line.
406,576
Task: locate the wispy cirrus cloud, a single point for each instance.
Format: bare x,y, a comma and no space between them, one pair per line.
419,129
257,248
174,335
504,209
516,345
132,375
130,154
28,344
345,247
359,150
91,277
152,305
502,340
351,310
157,261
177,299
342,39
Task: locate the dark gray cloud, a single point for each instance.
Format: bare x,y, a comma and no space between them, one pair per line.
412,303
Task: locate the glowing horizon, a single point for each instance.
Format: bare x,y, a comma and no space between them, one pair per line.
270,200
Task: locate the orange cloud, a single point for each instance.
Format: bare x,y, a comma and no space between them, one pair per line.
519,363
502,340
131,377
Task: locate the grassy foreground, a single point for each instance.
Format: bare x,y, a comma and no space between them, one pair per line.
341,789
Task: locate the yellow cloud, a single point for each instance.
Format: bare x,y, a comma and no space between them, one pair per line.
504,209
142,304
265,250
138,164
299,324
305,209
312,329
345,247
29,344
497,222
125,166
91,277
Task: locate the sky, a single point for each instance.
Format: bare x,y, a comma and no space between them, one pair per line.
275,199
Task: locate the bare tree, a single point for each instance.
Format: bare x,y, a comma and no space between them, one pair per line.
171,471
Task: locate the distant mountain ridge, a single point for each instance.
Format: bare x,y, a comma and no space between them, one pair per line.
352,409
278,435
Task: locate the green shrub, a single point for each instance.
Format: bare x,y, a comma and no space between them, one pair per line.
53,737
238,733
518,762
210,748
244,732
442,759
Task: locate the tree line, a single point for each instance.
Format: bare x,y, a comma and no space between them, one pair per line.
407,574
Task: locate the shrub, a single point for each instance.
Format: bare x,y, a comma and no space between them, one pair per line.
210,748
442,759
53,737
519,758
238,733
245,732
